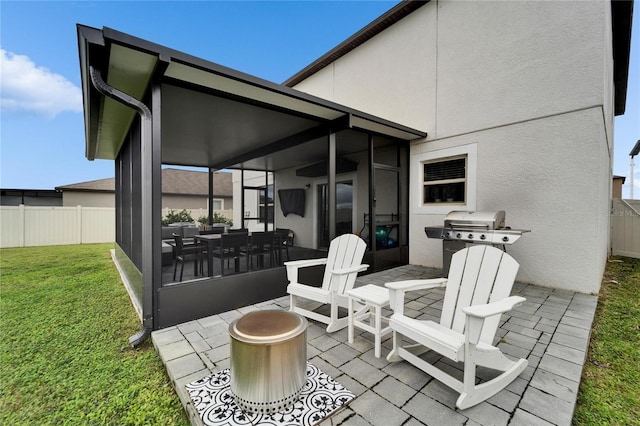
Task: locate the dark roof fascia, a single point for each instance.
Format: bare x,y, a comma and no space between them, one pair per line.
29,190
621,18
389,18
168,54
106,191
91,51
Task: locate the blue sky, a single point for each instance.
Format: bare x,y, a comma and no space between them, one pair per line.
41,124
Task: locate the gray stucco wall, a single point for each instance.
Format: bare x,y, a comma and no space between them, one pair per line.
529,85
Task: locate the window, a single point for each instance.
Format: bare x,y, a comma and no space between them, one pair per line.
217,204
265,204
444,181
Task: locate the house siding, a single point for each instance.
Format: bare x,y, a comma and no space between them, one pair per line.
530,84
88,199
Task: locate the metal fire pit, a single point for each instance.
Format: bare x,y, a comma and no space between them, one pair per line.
268,360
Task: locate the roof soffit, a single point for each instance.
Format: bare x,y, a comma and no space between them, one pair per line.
130,72
246,90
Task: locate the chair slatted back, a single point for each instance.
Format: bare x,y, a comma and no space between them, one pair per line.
344,251
285,235
478,275
179,245
234,240
214,230
258,238
190,231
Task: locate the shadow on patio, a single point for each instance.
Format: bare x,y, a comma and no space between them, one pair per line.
551,329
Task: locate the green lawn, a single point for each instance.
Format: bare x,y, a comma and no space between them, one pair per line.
610,387
64,353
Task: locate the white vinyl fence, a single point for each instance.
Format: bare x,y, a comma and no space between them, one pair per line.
26,226
625,228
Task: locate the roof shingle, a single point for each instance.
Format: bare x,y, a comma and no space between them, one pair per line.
174,181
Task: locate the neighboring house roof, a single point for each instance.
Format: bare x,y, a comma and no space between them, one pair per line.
621,13
174,181
99,185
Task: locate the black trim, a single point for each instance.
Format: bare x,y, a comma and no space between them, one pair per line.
191,300
288,142
621,19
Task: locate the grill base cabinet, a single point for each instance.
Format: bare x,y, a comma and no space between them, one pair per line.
449,247
268,360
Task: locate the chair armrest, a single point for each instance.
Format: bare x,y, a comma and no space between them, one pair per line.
343,279
305,262
350,270
294,265
495,308
411,285
476,315
397,289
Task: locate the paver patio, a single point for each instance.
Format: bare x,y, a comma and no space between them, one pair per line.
551,329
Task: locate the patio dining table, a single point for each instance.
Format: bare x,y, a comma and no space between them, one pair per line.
213,241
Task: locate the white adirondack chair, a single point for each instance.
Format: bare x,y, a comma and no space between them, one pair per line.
477,293
342,264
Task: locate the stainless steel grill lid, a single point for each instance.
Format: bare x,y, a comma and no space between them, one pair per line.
483,219
464,227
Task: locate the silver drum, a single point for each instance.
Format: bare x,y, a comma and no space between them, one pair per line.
268,360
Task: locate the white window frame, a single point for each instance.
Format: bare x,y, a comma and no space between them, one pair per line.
218,200
417,183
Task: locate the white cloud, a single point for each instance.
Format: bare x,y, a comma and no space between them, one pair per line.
26,87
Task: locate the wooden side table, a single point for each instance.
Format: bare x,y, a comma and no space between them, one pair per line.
374,298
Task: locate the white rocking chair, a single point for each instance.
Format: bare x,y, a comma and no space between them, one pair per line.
342,265
477,293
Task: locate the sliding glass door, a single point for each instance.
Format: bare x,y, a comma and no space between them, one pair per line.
344,211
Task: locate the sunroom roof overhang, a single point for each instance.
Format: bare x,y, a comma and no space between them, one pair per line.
210,115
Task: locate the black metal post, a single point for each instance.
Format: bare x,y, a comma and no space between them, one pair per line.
331,185
210,202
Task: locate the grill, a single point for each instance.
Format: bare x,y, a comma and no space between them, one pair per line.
462,228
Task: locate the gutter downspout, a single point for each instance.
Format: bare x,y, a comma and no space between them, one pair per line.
147,206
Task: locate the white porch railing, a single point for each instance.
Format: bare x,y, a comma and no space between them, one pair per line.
625,228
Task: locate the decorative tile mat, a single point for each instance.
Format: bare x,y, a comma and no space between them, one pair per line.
320,397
